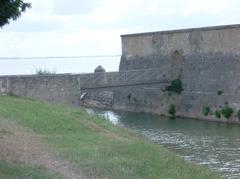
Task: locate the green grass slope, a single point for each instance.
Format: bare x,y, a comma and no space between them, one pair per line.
18,171
95,146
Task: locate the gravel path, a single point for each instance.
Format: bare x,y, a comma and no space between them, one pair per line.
20,145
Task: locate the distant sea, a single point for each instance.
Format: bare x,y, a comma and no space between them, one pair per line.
79,64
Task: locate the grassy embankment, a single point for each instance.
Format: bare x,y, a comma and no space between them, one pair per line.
94,145
17,171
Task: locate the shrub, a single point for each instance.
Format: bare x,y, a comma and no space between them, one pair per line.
176,86
172,110
227,111
11,94
129,96
220,92
206,110
217,114
45,72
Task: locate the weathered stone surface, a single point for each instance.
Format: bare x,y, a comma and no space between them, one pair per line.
207,60
98,98
54,88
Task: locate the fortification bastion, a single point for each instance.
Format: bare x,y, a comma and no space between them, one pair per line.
205,61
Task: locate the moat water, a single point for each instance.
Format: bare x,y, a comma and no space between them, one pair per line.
214,145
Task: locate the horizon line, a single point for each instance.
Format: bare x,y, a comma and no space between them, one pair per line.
56,57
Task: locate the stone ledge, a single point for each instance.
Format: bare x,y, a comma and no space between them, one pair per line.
221,27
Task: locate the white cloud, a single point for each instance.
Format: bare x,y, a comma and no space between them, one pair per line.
41,7
162,7
65,43
110,11
213,7
49,30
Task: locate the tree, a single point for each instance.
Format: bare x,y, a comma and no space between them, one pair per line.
11,9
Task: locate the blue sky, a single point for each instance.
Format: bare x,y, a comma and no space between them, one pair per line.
77,27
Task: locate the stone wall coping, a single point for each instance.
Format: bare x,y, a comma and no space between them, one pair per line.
209,28
35,75
73,74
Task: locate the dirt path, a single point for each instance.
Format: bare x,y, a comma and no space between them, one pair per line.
18,145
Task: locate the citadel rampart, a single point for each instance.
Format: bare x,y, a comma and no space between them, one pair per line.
206,60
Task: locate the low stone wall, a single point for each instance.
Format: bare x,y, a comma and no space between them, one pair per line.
140,94
99,88
54,88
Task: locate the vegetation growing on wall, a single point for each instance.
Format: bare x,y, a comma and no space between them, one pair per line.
172,110
227,111
217,114
176,86
45,72
12,94
220,92
206,110
129,96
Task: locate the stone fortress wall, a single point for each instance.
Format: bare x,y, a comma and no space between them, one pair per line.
206,60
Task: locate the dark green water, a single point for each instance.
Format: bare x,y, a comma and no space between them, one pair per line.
214,145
